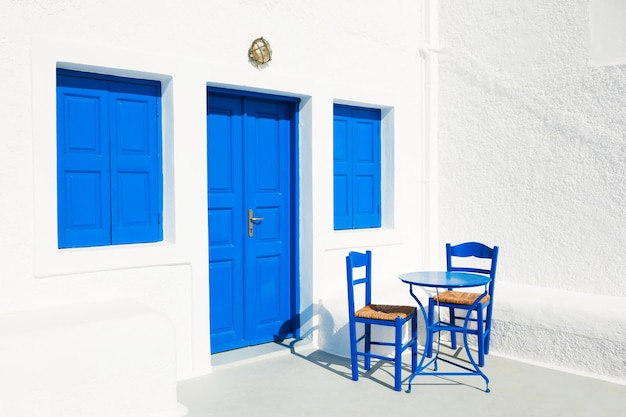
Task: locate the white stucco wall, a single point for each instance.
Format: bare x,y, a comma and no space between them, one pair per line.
356,52
532,157
528,152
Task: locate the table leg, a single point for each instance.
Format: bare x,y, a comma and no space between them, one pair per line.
423,364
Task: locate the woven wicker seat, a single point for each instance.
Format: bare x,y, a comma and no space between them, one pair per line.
393,316
385,312
460,297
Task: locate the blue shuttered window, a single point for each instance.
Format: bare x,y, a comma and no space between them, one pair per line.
108,160
357,167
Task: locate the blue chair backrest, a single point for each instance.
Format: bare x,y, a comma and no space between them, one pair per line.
358,260
477,250
469,249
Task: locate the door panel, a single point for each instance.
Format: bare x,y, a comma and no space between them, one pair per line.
225,222
267,155
250,140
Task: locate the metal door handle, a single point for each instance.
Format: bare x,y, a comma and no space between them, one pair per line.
251,220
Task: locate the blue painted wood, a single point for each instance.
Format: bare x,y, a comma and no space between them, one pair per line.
366,163
108,160
135,163
227,221
342,165
357,167
471,323
268,193
463,275
483,318
253,94
359,273
250,166
444,279
83,169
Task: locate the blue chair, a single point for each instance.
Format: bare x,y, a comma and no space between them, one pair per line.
461,301
376,314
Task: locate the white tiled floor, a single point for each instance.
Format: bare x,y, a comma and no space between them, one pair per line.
282,380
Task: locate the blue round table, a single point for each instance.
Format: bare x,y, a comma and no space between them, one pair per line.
445,280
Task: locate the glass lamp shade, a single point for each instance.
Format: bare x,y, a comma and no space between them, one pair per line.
260,51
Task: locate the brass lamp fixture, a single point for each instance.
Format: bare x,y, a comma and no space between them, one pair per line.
260,51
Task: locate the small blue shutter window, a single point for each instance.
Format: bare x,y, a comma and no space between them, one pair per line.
108,160
342,184
83,162
357,167
134,163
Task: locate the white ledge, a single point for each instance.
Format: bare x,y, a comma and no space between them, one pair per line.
107,359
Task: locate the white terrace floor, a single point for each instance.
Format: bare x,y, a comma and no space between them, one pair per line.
293,379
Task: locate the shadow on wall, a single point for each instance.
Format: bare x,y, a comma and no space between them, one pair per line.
307,319
332,338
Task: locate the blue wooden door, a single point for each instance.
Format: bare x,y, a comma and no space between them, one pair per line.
251,217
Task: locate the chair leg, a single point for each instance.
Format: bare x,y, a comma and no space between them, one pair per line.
368,346
452,323
398,356
414,343
488,330
480,329
354,363
487,340
355,367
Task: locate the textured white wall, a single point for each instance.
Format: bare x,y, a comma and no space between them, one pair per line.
532,144
532,157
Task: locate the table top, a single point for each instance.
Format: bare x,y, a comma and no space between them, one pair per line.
443,279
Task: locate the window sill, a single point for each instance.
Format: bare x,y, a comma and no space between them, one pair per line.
69,261
358,238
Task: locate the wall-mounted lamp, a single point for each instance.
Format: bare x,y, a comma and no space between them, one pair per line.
260,51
